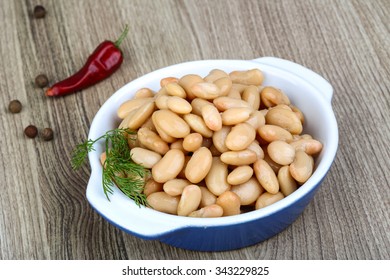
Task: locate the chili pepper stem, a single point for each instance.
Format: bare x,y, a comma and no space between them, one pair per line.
121,37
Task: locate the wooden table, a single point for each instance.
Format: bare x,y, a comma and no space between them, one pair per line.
44,212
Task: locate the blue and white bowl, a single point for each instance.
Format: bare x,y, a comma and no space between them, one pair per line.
307,90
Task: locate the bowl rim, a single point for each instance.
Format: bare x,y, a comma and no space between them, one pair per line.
177,222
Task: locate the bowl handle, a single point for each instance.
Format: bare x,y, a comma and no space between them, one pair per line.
308,75
145,228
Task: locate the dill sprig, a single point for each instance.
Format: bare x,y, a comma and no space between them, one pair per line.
118,167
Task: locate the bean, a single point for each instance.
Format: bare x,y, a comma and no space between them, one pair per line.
161,91
176,186
152,141
256,119
285,119
103,157
240,137
266,176
205,90
197,105
271,96
214,75
249,191
192,142
275,166
199,165
152,186
181,174
169,166
223,103
219,138
210,211
189,200
309,146
254,146
144,93
216,179
234,93
133,141
244,157
234,116
197,124
283,106
170,123
211,117
239,87
240,175
130,105
162,101
281,152
249,77
145,157
267,199
306,136
174,89
187,82
164,136
230,203
298,112
126,120
224,84
149,125
141,115
287,183
163,202
178,144
167,80
264,112
208,198
252,96
272,133
302,167
179,105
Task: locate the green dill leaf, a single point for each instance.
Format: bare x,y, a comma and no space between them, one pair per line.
118,168
80,153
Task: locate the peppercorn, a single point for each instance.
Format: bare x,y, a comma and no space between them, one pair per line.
31,131
39,11
15,106
47,134
41,81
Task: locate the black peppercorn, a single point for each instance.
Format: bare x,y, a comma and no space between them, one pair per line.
47,134
39,11
41,81
15,106
31,131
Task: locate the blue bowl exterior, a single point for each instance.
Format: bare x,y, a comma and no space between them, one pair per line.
223,238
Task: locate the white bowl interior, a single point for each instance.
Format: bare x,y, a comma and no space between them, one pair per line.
120,210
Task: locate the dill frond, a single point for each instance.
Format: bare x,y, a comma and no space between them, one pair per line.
119,168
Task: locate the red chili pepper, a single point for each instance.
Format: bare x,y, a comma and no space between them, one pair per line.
102,63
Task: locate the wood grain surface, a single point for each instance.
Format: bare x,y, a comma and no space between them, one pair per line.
44,211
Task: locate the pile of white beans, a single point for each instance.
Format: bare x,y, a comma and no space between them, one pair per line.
218,145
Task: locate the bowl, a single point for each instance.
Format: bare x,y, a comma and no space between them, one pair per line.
306,89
